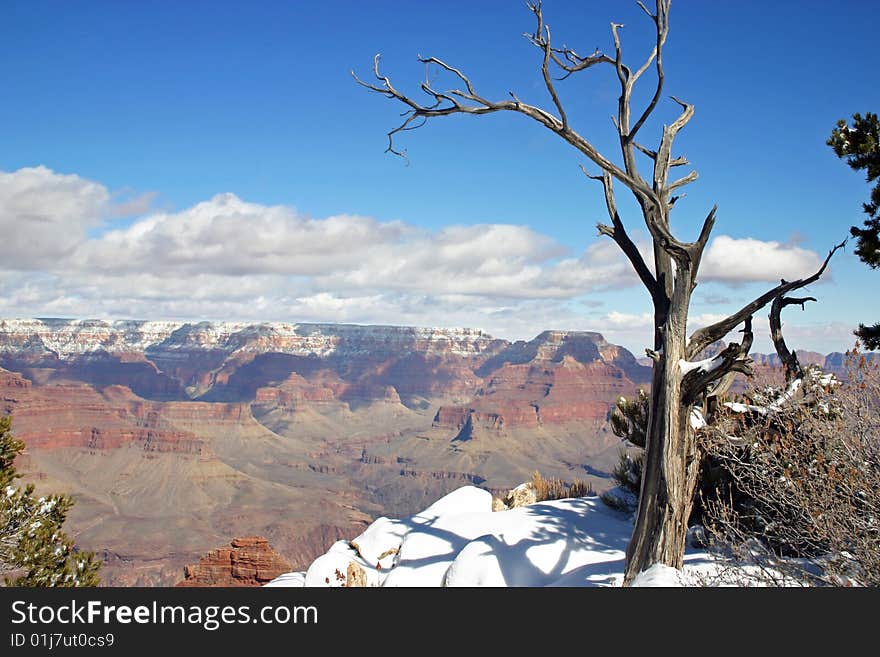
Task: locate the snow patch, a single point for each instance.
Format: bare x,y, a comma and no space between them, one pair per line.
705,365
289,579
658,575
737,407
696,419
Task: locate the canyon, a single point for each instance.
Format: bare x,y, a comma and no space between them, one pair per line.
176,437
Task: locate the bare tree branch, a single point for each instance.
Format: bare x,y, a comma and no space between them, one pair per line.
471,102
681,182
705,336
793,369
618,234
661,20
662,161
543,43
699,246
719,388
646,151
685,253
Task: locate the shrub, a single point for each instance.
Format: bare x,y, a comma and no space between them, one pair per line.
557,489
803,482
629,421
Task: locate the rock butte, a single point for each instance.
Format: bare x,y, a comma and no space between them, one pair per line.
249,561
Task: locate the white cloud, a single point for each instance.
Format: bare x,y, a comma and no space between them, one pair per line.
226,235
737,261
352,255
44,215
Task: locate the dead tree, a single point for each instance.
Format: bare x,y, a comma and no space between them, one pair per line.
679,385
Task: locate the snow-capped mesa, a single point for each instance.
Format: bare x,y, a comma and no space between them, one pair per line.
460,541
73,337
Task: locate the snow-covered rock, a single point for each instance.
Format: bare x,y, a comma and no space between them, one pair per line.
464,499
522,495
330,569
460,541
380,543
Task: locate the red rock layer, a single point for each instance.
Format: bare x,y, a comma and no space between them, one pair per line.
249,561
77,415
544,393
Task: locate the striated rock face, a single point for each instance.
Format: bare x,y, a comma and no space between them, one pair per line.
247,562
12,380
557,378
77,415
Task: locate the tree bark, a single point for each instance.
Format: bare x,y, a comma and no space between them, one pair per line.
672,462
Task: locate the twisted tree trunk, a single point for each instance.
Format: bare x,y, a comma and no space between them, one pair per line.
671,464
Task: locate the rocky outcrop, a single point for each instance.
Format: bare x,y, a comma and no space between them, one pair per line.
355,575
249,561
12,385
522,495
12,380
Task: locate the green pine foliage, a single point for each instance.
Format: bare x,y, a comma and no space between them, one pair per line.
859,146
33,548
629,421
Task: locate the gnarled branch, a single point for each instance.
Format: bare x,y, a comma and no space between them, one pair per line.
661,21
718,389
618,233
543,42
663,160
734,358
793,369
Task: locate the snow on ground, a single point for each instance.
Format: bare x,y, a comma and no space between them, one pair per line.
658,575
460,541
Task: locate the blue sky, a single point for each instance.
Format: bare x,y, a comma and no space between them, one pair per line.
215,160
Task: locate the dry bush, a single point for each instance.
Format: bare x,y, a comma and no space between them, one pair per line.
557,489
802,482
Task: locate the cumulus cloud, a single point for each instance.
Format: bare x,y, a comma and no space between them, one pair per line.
44,216
738,261
350,254
226,235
